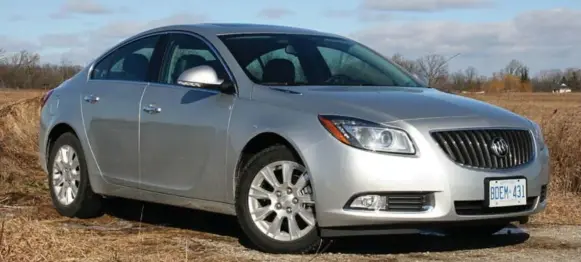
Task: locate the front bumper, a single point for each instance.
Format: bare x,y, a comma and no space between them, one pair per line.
340,172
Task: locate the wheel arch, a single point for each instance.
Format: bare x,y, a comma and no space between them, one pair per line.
55,132
260,142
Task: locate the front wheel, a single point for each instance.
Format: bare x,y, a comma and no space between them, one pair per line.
274,203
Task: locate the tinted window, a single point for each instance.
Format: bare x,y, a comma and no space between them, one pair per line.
292,59
185,52
130,62
256,67
343,63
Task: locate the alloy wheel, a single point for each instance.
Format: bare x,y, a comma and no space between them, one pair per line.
66,175
280,201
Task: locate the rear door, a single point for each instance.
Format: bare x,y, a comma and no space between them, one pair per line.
184,129
110,106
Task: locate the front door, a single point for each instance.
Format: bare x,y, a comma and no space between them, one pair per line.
184,129
110,107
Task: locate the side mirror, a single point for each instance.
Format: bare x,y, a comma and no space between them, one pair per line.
205,77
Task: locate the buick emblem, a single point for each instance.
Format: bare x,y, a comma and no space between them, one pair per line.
499,147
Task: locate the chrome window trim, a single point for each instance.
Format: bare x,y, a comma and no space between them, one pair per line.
213,50
115,49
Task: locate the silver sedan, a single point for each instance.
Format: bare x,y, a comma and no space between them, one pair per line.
302,135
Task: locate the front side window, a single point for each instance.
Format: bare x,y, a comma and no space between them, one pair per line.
294,59
129,62
185,52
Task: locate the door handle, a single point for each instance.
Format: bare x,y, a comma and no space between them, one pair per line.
91,99
152,109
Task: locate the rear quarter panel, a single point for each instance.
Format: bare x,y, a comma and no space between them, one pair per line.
64,107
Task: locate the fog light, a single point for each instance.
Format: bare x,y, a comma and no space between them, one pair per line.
369,202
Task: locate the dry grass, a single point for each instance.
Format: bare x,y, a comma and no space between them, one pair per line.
21,178
10,95
32,231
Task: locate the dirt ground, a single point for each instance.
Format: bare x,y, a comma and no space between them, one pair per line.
176,234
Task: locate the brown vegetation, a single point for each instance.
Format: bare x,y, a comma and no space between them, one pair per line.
30,229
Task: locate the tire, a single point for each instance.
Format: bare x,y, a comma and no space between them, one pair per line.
306,243
85,204
475,231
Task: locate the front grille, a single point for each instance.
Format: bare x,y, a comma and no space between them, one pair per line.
410,202
474,148
467,208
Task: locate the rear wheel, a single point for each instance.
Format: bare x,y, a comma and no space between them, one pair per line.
275,204
68,180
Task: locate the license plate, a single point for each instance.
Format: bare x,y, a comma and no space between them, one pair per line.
507,192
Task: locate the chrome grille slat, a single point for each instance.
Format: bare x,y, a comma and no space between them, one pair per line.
485,151
464,150
523,154
515,152
479,150
472,148
470,145
446,146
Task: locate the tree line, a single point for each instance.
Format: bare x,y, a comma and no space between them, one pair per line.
24,70
514,77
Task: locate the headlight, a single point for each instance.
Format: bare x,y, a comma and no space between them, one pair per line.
538,133
368,135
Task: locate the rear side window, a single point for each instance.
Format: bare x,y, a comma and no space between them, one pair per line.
129,62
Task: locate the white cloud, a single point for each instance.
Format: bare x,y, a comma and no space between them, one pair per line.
337,13
362,15
542,39
16,18
423,5
12,45
82,47
60,40
275,13
88,7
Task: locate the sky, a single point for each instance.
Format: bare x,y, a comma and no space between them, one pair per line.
487,34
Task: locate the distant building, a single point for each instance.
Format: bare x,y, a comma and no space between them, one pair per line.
562,89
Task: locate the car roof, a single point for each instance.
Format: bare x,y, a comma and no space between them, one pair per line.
238,28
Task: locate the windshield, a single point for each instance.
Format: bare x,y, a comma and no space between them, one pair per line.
292,59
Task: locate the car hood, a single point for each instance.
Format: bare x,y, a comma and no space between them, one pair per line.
387,104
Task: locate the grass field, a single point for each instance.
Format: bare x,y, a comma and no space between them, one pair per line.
32,231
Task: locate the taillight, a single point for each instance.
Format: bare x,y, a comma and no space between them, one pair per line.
45,98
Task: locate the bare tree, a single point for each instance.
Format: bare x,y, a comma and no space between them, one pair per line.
471,74
434,68
23,70
547,80
3,58
409,65
514,67
459,80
